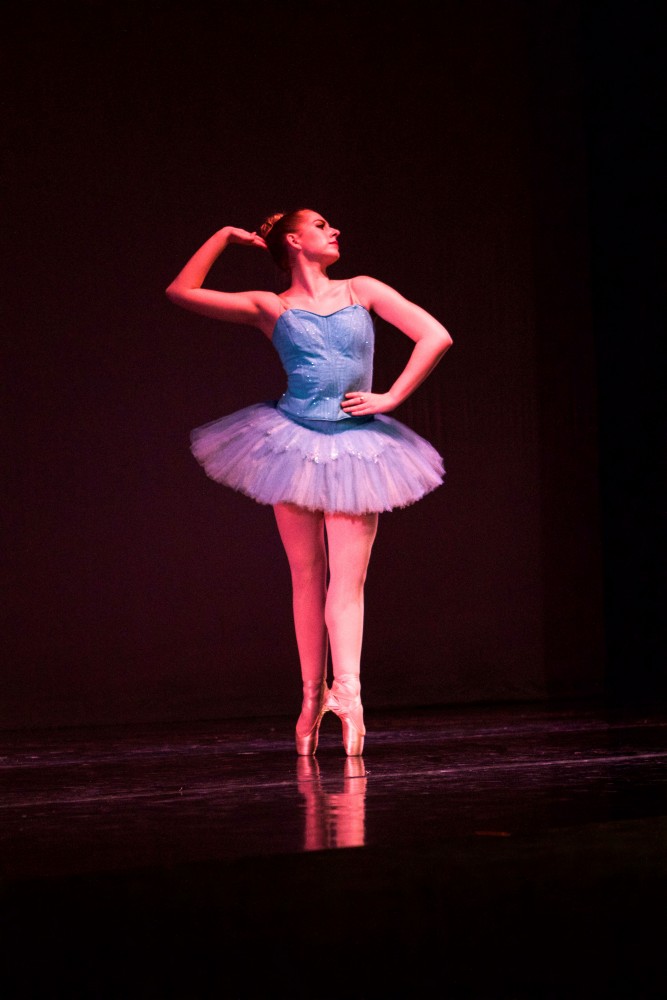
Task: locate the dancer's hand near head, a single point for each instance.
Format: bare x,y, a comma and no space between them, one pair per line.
235,235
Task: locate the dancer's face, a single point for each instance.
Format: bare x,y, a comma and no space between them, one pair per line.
316,238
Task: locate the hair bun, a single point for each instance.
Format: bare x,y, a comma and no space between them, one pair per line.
269,223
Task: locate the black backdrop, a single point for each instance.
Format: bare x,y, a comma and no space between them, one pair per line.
464,151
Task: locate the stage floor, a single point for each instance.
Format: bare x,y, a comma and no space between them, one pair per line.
514,851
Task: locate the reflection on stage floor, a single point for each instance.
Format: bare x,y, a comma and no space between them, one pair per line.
493,851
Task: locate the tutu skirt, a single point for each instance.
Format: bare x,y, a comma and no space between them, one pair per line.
352,466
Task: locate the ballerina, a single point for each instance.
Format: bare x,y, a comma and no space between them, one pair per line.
325,455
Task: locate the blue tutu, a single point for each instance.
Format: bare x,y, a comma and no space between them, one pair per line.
349,467
304,449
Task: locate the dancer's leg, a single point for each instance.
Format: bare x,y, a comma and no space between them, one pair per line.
302,535
350,540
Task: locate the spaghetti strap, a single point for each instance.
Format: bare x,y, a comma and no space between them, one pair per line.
353,298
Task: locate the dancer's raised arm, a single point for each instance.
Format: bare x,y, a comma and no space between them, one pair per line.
257,308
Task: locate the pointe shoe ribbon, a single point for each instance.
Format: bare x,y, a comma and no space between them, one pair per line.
313,707
345,702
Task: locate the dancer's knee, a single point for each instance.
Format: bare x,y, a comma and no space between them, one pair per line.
308,570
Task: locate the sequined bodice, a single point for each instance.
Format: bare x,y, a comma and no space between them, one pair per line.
324,357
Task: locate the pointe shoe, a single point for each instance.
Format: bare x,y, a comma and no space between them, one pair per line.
313,707
345,702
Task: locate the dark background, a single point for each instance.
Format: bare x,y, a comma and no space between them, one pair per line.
495,162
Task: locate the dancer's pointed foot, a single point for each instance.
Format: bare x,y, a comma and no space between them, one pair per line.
345,702
314,705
